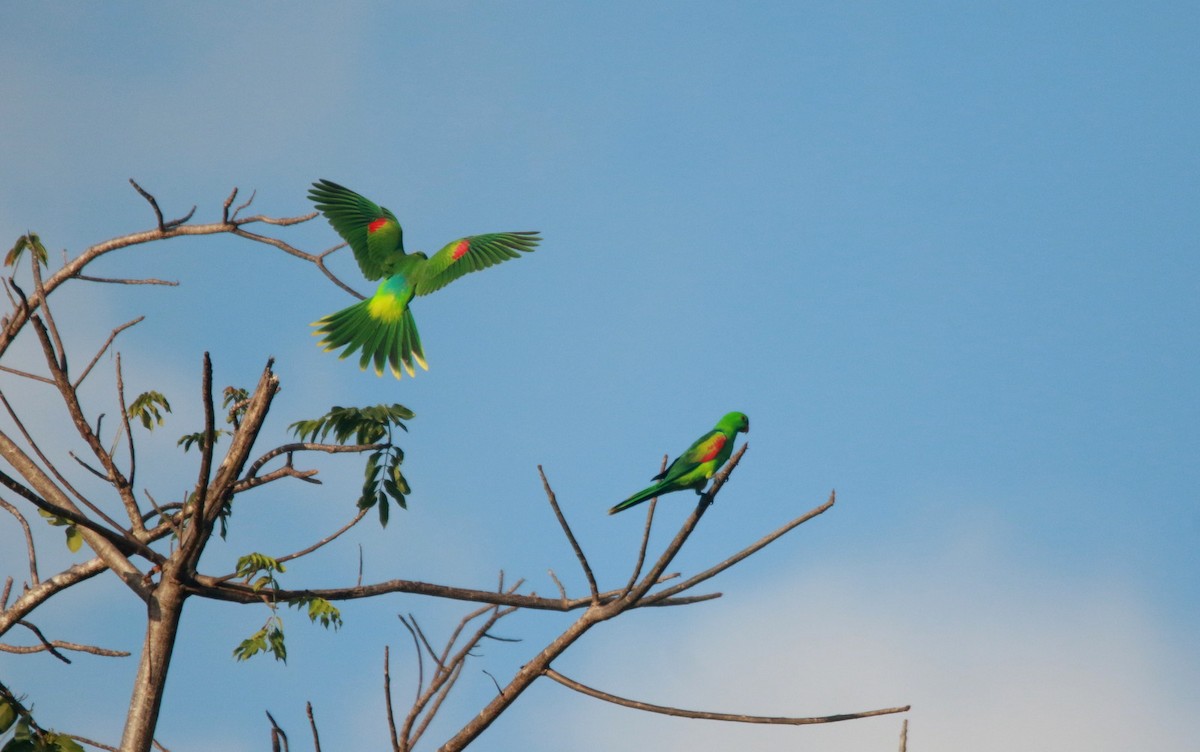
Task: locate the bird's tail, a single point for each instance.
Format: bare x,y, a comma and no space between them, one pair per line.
637,498
392,340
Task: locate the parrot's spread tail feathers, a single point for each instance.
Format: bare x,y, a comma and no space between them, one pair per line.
394,342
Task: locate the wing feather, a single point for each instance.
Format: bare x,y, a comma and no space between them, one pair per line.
353,216
471,254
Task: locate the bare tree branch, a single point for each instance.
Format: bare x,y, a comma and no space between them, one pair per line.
312,722
52,646
641,557
27,375
387,691
748,551
277,734
306,446
162,226
121,281
734,717
562,521
93,743
107,342
31,552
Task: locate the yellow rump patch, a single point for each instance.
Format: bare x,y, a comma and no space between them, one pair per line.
386,309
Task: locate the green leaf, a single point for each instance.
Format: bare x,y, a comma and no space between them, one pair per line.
197,439
367,425
60,742
74,539
8,716
383,510
53,519
31,241
320,610
22,740
269,639
253,563
148,408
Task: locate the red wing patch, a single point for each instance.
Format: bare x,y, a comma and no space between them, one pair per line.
712,448
376,225
460,250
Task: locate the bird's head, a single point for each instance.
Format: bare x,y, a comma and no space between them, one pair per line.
737,422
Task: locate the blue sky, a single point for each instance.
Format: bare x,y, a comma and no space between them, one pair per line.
944,255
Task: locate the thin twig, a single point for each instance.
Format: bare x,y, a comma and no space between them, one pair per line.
562,521
75,410
107,342
45,302
121,281
286,248
734,717
276,734
287,471
441,685
245,203
420,656
136,519
93,743
437,659
228,202
46,644
52,467
561,590
904,736
162,515
162,226
62,645
24,374
306,446
747,551
387,696
312,722
31,551
641,557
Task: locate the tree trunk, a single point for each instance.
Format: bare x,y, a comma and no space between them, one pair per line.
162,624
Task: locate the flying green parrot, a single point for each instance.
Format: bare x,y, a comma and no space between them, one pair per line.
382,326
697,464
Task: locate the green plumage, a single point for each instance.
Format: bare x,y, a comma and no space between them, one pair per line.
382,326
696,464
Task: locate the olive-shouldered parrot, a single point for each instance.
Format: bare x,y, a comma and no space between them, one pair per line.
382,326
697,464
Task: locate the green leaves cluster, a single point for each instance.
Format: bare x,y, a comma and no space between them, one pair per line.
251,564
27,737
382,477
235,403
319,610
148,408
74,539
27,241
258,571
269,639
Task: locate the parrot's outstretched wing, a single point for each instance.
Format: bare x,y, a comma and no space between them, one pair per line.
374,233
471,254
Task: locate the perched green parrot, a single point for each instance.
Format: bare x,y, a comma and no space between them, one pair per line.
382,326
697,464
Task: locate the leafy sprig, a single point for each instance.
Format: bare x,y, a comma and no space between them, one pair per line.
382,476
